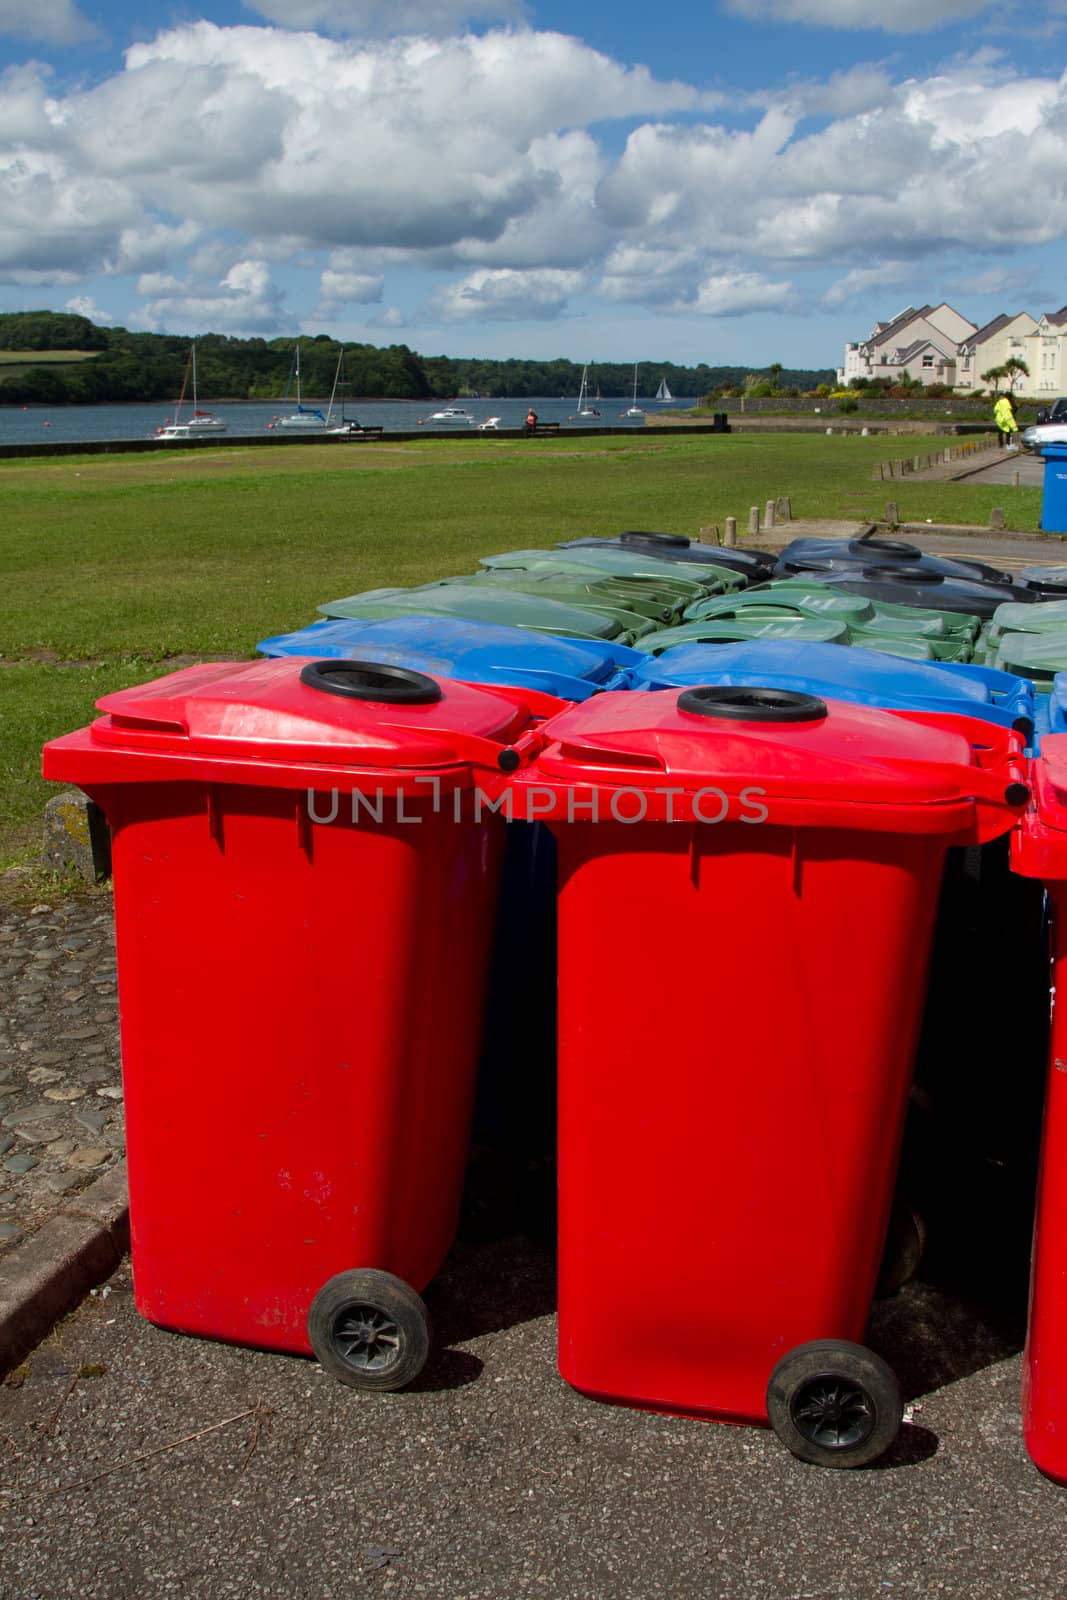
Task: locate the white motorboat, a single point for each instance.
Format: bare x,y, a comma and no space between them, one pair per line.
454,414
198,424
490,425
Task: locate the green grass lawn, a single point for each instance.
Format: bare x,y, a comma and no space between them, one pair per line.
113,564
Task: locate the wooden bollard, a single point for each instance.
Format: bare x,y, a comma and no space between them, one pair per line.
709,533
892,514
729,537
878,473
996,517
783,509
753,519
769,515
1015,479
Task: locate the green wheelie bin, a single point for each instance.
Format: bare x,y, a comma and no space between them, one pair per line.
483,602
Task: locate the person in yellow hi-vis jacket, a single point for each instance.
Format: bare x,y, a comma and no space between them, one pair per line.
1004,417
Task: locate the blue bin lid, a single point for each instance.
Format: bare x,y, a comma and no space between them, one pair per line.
474,652
860,676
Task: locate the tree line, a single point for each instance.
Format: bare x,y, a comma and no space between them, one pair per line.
123,366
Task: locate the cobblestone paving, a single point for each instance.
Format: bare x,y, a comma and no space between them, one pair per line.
61,1117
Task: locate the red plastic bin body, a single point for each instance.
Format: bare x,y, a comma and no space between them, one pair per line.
732,1089
1039,850
300,994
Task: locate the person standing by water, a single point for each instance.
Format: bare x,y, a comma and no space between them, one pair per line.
1004,417
531,420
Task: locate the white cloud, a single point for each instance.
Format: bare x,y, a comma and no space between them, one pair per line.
893,16
732,294
218,154
386,16
343,283
998,280
56,220
502,295
83,305
863,279
50,21
946,164
245,299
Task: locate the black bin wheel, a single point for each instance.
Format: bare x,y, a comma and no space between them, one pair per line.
834,1403
370,1330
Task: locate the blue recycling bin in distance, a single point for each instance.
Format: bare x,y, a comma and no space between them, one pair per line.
861,676
474,652
1054,497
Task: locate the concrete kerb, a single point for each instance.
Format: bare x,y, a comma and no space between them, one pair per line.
44,1278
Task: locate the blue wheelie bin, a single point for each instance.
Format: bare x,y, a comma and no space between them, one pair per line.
861,676
474,652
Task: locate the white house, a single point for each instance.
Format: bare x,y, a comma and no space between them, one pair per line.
1004,339
920,342
1046,356
937,345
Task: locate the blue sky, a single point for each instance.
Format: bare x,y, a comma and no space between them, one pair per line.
737,181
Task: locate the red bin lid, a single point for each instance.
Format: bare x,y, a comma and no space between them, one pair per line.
290,712
814,762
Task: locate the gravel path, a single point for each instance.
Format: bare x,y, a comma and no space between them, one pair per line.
61,1120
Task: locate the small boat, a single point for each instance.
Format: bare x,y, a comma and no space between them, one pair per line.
200,423
344,427
452,414
490,425
634,410
303,416
663,394
585,407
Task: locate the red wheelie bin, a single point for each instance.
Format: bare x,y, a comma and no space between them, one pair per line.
731,1104
1039,850
304,872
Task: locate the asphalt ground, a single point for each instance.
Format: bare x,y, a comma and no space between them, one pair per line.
140,1462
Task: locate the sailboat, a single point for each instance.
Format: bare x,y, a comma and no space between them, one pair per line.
634,410
303,416
346,425
200,422
663,394
585,406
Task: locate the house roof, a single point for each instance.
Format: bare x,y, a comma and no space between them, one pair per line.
889,329
989,330
1056,318
912,350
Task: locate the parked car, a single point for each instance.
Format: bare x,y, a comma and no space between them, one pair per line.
1056,412
1042,433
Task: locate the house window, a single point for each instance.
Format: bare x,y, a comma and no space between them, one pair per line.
928,360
